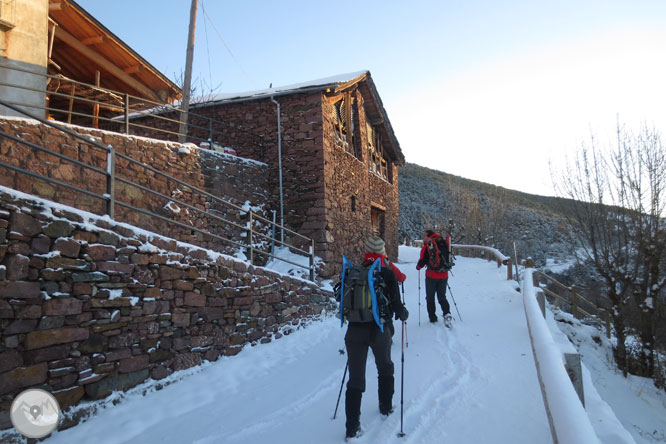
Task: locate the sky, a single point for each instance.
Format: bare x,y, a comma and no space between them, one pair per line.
488,90
286,391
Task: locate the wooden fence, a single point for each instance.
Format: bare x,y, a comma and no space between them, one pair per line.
580,307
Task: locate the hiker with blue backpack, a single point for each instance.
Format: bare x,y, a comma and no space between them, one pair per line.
369,298
435,256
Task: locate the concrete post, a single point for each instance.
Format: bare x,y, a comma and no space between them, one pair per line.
572,364
541,299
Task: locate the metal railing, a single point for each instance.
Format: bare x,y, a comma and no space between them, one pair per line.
125,113
109,198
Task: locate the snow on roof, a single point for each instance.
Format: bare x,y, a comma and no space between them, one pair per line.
319,83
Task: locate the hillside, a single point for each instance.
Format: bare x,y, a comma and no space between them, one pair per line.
480,213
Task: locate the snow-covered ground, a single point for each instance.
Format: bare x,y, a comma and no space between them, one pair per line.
475,384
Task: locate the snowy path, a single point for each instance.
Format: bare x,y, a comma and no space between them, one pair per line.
473,384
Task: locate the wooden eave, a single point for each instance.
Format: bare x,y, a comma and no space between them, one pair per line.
82,46
376,113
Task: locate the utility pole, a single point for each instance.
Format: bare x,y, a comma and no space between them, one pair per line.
182,130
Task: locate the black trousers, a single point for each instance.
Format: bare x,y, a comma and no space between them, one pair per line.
358,339
437,286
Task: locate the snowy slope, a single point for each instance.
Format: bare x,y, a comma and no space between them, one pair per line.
474,384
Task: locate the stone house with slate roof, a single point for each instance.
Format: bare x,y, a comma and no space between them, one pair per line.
339,159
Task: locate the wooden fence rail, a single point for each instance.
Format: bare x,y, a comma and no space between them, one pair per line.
569,295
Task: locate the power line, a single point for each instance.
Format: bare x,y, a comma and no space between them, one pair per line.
210,70
226,46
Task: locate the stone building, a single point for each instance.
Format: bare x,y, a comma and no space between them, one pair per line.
334,159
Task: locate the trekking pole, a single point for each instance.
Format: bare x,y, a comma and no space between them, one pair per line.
344,375
454,301
402,381
403,303
419,298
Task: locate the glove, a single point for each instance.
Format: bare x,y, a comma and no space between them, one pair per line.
418,268
403,315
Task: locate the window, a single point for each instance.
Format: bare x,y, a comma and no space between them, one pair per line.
377,217
343,123
378,163
7,14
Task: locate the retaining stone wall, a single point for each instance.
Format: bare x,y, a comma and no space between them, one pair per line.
88,306
234,179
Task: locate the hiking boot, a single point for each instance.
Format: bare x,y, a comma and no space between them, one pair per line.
385,410
448,320
385,391
355,433
353,412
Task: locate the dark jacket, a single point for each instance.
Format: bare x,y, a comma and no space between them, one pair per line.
391,289
423,260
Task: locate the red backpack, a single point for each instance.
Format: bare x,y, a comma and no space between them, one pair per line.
438,254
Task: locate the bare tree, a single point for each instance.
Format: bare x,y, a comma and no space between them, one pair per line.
616,217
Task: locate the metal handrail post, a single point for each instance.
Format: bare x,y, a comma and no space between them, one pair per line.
251,246
110,182
312,269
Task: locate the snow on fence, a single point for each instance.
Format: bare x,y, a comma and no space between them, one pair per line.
569,423
489,252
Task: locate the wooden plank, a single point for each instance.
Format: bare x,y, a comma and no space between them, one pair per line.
132,69
93,40
95,57
555,295
554,281
71,103
95,122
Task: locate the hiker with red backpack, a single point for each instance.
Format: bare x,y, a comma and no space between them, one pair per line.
435,256
375,280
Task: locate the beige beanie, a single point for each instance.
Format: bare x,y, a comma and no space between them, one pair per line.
375,244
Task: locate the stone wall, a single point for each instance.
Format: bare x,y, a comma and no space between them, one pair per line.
88,306
231,178
302,157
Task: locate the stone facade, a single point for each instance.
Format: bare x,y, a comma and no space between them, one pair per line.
88,306
330,195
